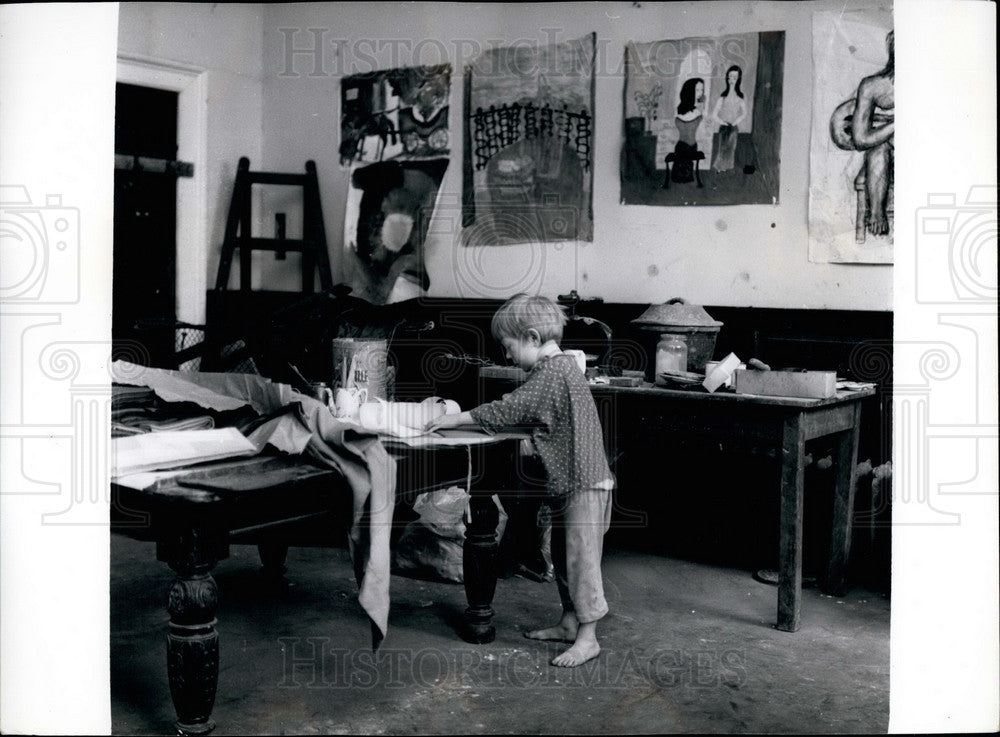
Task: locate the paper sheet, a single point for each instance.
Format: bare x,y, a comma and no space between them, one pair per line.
402,419
173,449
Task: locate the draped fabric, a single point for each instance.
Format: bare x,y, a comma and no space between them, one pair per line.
300,425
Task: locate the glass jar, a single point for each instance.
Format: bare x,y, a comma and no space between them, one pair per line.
671,354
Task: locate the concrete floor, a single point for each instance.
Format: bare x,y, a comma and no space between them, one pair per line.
687,647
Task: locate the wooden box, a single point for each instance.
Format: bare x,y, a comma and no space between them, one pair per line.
808,384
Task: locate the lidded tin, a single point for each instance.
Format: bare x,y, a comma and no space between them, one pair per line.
677,317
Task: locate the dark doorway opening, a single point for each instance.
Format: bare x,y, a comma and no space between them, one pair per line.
144,277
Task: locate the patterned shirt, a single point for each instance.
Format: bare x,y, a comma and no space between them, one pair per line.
555,402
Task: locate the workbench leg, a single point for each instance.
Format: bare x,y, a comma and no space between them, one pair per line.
272,559
846,464
192,640
479,569
790,525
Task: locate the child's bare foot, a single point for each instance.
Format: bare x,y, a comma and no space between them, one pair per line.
580,653
559,633
569,629
565,631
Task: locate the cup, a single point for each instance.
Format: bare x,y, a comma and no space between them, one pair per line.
348,401
321,391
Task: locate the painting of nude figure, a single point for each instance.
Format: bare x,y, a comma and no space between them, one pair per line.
851,203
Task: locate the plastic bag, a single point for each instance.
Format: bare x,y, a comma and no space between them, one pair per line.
443,511
431,546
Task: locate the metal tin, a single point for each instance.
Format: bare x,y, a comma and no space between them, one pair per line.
677,317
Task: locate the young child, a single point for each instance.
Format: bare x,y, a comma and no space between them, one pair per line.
556,404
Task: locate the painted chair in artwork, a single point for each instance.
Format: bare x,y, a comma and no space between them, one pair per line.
684,159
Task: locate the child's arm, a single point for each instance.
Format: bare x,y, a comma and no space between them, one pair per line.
448,421
519,408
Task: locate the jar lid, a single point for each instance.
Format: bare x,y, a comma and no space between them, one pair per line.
676,313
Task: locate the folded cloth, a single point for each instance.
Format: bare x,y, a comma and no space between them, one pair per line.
218,391
300,424
307,426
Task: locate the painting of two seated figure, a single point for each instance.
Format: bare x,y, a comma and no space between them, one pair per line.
703,120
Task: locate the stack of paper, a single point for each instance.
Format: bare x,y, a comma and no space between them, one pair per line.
173,449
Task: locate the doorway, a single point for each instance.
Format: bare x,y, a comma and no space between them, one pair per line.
145,231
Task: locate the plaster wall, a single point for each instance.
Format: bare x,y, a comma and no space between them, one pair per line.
748,255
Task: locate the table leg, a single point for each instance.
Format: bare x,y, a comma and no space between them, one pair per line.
192,640
846,465
790,525
479,569
272,559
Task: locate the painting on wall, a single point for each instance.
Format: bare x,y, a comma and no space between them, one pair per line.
396,113
703,120
851,150
528,164
394,136
389,208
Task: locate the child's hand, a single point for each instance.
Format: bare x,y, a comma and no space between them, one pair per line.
445,422
441,423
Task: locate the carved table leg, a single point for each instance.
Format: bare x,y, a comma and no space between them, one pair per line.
479,571
192,640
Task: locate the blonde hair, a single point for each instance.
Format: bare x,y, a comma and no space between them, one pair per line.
522,313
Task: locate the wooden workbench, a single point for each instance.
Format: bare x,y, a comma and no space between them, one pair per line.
782,423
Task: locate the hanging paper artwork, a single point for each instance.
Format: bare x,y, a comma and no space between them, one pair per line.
394,136
528,164
397,113
852,150
703,120
389,208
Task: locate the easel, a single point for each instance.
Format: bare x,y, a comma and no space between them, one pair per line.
312,245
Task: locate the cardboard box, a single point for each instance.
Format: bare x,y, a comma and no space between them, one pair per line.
807,384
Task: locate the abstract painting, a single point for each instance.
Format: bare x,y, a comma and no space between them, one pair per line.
529,139
703,120
389,208
851,154
394,136
398,113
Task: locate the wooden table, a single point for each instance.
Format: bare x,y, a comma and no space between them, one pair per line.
269,501
785,424
782,423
